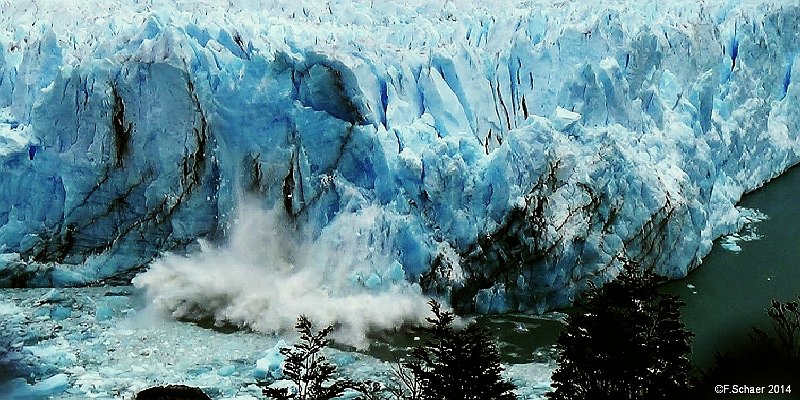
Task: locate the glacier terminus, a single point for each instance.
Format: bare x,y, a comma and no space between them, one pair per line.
504,157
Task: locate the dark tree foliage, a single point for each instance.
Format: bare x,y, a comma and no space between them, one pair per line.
770,358
172,392
627,342
454,364
313,375
786,329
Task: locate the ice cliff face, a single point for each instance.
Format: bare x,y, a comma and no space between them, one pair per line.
516,153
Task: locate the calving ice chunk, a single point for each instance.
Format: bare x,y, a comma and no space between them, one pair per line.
504,158
268,274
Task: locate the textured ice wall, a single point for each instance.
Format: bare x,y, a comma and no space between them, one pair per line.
516,152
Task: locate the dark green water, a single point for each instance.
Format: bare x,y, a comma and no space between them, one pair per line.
733,289
520,338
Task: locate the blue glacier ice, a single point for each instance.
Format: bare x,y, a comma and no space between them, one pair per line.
502,157
18,389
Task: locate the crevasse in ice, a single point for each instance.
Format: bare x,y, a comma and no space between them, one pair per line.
515,153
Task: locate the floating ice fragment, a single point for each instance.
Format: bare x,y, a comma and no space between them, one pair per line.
42,313
53,385
227,370
52,296
60,313
18,389
731,245
271,365
103,312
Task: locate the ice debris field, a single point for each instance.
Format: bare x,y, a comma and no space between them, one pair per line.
247,161
95,344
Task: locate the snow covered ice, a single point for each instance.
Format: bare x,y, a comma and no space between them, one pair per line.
502,157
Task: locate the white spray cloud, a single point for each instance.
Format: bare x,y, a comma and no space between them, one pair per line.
268,274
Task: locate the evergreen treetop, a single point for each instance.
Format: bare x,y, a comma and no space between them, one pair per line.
627,342
458,364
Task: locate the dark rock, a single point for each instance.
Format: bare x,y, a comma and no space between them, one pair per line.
172,392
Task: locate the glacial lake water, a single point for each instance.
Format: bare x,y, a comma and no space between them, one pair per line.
730,291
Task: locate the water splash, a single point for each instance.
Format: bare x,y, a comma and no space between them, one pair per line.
269,273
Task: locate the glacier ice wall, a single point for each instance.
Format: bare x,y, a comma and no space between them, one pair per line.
516,153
